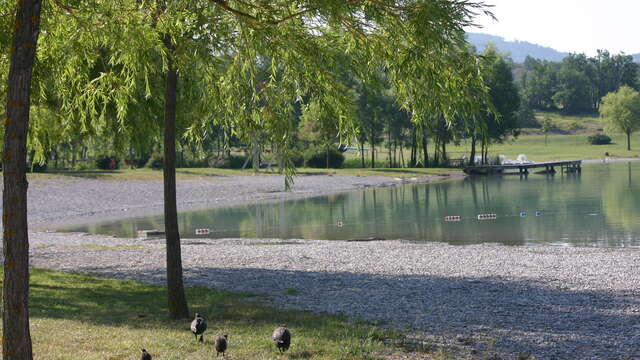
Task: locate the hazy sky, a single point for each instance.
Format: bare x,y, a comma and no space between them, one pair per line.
567,25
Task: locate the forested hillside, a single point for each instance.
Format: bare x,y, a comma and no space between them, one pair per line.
517,50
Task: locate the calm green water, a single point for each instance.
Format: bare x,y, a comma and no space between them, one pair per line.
600,207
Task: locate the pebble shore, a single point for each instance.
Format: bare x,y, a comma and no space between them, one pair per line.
542,301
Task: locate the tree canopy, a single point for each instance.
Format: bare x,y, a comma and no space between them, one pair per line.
621,109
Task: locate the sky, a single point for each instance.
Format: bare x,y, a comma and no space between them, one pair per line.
581,26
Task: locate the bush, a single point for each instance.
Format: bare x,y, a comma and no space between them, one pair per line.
599,139
576,126
156,161
232,162
316,157
106,162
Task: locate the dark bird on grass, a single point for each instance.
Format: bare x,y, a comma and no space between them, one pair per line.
198,326
221,344
145,355
282,338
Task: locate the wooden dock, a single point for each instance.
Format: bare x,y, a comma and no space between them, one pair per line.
523,169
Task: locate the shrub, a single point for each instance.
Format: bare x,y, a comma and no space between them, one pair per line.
576,126
106,162
156,161
236,162
316,157
232,162
599,139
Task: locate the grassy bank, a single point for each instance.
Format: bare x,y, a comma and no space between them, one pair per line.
146,174
562,147
83,317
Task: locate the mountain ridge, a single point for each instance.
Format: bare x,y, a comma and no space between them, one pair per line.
519,50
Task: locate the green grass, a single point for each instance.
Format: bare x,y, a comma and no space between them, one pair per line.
562,147
574,124
83,317
292,292
146,174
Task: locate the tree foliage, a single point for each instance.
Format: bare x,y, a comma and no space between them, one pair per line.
578,83
621,109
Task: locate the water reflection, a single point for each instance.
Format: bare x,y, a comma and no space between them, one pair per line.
600,207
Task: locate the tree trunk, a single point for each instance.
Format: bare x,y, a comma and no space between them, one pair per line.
425,151
629,140
177,300
389,142
327,156
414,151
472,156
373,155
362,154
16,338
445,161
395,153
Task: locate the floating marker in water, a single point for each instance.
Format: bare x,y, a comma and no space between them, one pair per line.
487,216
523,214
538,213
202,231
452,218
339,224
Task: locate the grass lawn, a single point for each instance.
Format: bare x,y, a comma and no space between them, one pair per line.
146,174
83,317
562,147
585,123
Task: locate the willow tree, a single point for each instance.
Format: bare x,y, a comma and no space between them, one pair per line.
20,30
16,338
300,41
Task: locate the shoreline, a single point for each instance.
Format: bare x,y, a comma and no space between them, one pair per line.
65,202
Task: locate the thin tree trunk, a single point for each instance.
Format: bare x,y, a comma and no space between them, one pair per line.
472,156
395,153
413,161
436,151
327,157
629,140
16,338
362,154
389,142
425,151
445,161
178,308
373,155
219,144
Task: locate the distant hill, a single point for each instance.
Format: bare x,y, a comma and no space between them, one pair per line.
518,50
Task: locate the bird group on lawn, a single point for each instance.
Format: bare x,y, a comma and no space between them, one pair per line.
281,337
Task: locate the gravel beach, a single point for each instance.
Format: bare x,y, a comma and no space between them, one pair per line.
548,302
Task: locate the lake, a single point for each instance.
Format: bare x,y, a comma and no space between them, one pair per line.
599,207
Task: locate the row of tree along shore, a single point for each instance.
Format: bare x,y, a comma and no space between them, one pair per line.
576,85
